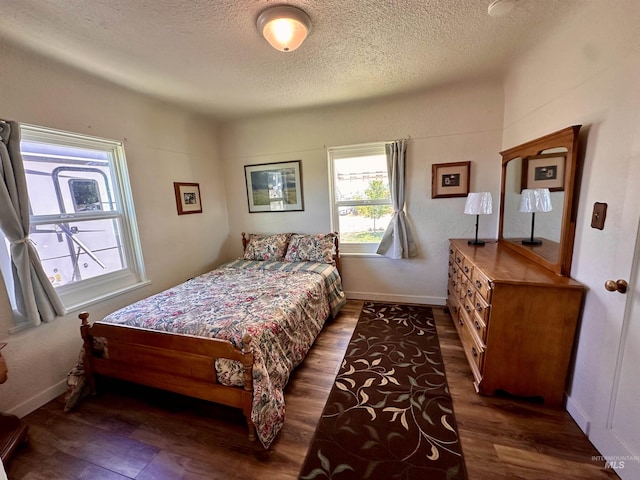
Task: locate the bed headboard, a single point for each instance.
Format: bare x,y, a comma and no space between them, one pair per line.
336,254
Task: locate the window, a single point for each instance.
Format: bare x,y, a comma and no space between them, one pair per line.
82,218
361,201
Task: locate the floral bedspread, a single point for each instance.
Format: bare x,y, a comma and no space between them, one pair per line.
282,308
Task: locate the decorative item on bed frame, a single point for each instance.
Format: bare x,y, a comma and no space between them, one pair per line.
186,363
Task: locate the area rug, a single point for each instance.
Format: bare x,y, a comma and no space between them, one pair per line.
389,414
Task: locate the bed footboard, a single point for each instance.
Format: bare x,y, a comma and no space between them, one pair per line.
178,363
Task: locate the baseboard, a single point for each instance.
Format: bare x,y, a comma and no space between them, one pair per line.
39,400
383,297
578,415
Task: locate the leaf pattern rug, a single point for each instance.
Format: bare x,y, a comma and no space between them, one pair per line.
389,414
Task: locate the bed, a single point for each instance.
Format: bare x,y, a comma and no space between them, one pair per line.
231,336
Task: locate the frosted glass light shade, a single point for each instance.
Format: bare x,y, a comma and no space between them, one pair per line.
499,8
535,200
284,27
478,203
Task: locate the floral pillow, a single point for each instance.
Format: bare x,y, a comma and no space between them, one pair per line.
267,247
311,248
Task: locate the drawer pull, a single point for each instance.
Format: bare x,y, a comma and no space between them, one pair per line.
458,260
451,251
455,270
469,292
478,327
478,284
460,321
467,308
479,307
466,269
474,352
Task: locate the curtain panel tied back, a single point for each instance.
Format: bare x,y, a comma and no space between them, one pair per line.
36,298
397,241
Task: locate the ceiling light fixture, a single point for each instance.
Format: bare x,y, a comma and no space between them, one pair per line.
284,27
499,8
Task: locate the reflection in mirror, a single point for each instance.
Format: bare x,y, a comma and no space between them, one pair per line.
548,162
517,225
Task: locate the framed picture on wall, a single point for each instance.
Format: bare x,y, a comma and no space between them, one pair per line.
274,187
543,171
450,179
187,197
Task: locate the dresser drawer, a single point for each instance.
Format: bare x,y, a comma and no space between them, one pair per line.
468,291
466,267
467,305
473,349
479,326
452,289
481,284
481,307
458,258
456,315
462,287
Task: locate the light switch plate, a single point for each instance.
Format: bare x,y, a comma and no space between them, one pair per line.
598,215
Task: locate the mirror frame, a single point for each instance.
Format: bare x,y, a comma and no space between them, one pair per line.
567,138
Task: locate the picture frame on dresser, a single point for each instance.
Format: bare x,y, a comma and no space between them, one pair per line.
450,180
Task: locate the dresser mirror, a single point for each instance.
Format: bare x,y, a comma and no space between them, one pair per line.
545,167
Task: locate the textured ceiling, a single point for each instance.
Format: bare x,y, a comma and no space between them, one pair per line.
208,55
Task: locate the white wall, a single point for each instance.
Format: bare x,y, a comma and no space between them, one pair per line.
589,74
457,123
163,144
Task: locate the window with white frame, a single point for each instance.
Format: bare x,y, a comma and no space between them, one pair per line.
82,218
361,200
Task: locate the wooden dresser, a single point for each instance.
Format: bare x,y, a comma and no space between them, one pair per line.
516,320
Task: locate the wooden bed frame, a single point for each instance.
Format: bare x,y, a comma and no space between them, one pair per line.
178,363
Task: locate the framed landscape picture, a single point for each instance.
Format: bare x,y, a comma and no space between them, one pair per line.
274,187
187,197
450,179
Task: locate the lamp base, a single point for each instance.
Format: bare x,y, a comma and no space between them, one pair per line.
532,242
477,243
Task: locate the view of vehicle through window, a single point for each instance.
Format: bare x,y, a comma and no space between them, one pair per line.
361,188
75,219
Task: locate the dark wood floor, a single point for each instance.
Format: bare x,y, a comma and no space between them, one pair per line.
128,432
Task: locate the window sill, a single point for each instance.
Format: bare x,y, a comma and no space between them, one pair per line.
101,298
361,255
24,326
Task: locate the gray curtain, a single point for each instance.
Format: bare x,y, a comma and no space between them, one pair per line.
36,299
397,241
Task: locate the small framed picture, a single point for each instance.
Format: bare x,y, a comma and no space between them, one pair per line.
544,171
450,179
187,197
274,187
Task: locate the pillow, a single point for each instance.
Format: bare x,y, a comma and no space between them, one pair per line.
267,247
312,248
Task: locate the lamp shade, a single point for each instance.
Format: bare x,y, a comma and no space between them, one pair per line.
284,27
478,203
534,200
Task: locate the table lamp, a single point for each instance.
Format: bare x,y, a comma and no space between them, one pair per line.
478,203
533,200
